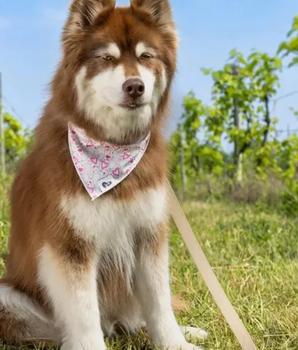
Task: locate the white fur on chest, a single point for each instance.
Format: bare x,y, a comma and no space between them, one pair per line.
114,225
111,223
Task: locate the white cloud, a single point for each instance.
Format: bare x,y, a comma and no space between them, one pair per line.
5,24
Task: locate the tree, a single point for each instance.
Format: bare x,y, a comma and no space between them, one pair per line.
196,144
17,141
290,47
242,96
242,93
178,160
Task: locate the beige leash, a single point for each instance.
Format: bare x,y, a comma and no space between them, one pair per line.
208,275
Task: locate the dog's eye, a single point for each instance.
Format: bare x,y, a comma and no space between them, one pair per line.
146,56
107,57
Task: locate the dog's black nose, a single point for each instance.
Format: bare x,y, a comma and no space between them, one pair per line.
134,87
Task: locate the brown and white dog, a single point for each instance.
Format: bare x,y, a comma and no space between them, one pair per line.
77,267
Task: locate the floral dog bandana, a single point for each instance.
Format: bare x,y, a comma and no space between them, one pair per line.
101,165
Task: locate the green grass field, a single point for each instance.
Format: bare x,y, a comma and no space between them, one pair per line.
254,255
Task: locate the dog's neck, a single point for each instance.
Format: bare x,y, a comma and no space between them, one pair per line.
97,133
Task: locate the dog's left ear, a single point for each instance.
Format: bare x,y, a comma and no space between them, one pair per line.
157,11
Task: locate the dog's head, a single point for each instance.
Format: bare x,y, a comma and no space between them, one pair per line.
118,63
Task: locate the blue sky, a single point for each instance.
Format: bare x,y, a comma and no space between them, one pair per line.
209,29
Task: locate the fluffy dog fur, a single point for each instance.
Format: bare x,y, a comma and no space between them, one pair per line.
77,268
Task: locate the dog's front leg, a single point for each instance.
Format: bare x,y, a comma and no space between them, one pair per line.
69,278
153,291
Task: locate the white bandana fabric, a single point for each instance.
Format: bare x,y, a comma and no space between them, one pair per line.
101,165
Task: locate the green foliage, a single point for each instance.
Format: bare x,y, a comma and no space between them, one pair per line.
289,199
294,112
17,141
290,47
240,115
201,120
196,145
289,203
243,90
176,144
242,96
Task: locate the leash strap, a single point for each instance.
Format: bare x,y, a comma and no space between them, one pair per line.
208,275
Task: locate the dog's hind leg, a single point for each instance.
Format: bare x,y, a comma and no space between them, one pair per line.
22,320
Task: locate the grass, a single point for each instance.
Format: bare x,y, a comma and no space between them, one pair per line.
255,257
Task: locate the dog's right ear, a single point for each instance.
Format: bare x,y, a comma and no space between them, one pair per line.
83,13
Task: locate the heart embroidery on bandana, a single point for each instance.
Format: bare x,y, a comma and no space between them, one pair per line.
126,155
94,160
102,164
116,172
90,143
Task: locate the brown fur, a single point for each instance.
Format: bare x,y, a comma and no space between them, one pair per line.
48,172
